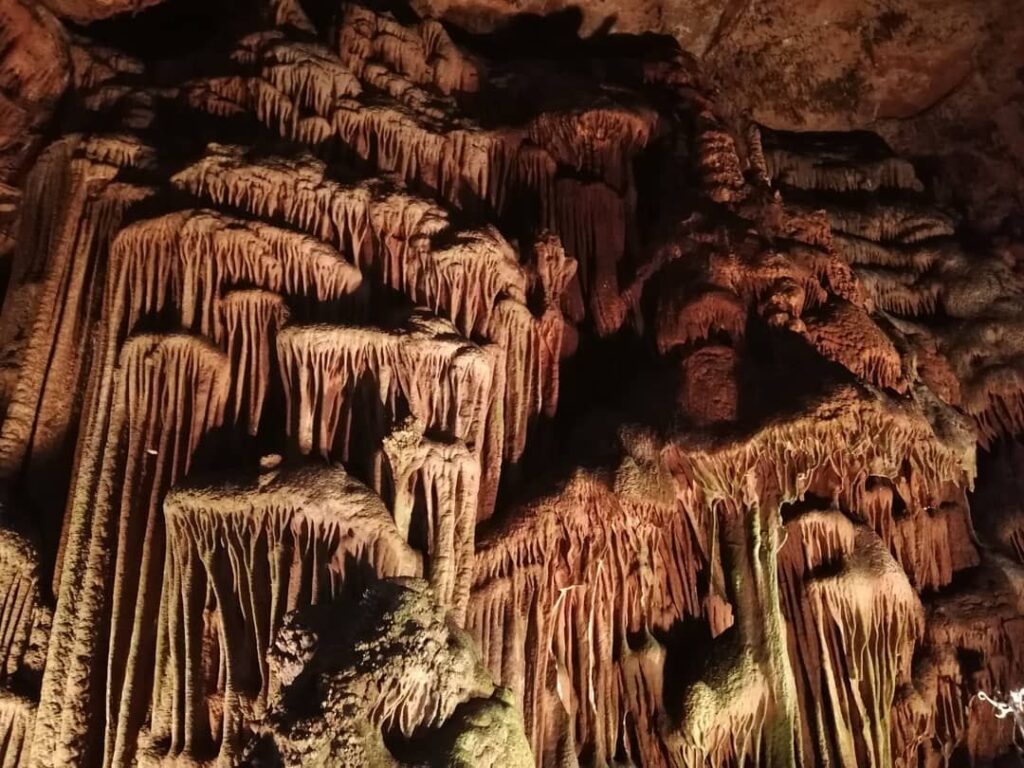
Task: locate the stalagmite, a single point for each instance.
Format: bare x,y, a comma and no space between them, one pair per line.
396,672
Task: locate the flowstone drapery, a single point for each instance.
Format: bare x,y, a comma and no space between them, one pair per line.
377,393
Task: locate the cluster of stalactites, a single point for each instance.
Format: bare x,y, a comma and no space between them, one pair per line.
849,603
375,224
251,320
799,283
346,385
566,590
231,280
837,169
791,454
73,206
472,277
983,354
854,621
957,309
292,538
464,164
424,54
188,260
705,317
927,529
445,475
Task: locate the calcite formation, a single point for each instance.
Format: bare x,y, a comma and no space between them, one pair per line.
400,669
383,391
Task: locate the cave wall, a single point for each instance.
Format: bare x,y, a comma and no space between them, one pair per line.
384,391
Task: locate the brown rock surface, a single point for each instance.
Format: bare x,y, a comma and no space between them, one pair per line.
939,79
376,393
34,69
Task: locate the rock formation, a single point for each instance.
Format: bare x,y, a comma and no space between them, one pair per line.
384,391
399,681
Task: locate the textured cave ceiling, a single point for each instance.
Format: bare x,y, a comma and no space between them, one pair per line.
511,384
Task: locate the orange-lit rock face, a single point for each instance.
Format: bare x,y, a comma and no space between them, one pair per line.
379,392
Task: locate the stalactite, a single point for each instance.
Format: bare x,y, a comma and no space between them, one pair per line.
250,320
909,295
446,476
743,704
561,586
709,385
686,320
854,620
75,205
719,164
22,612
591,219
17,717
290,538
847,335
344,385
147,418
917,257
795,453
597,142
